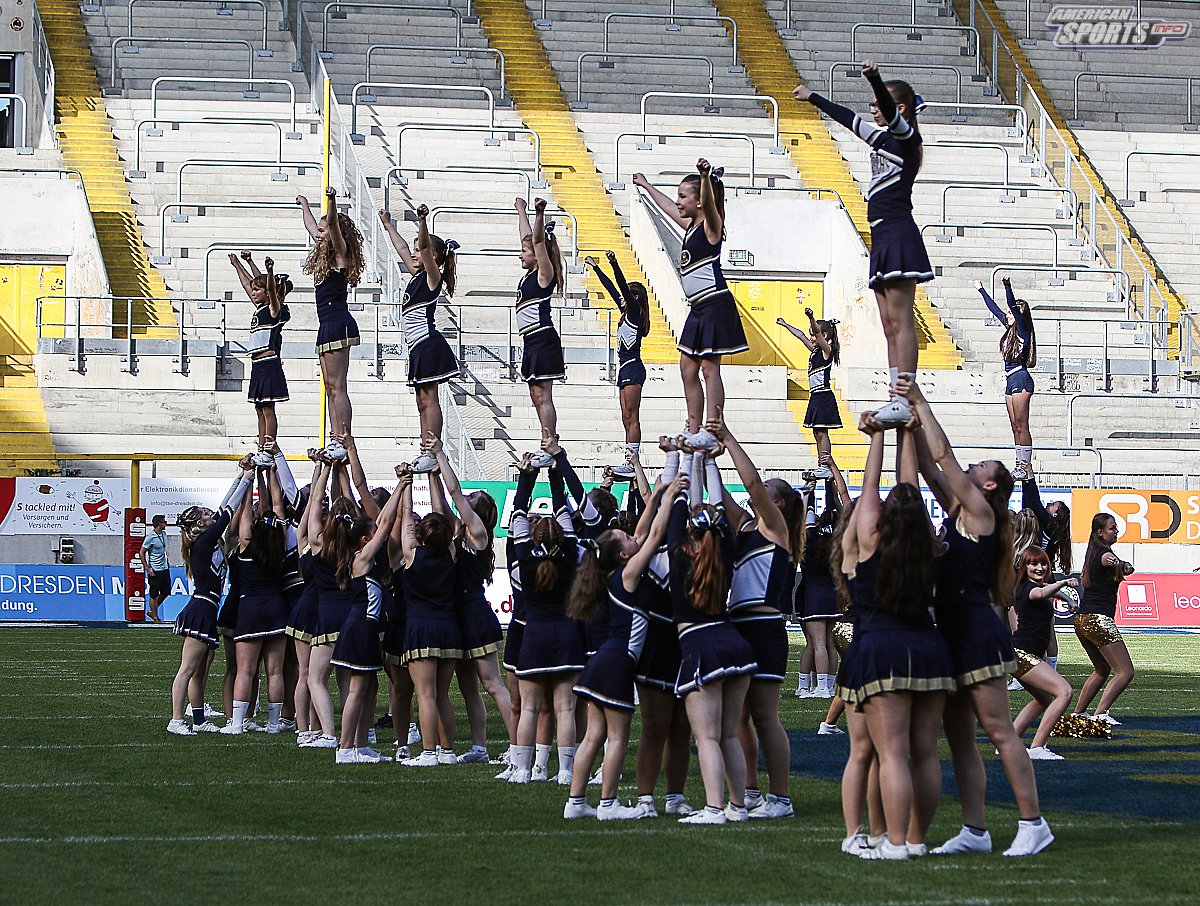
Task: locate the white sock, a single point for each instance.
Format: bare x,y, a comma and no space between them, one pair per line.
825,682
274,709
519,756
239,713
804,683
894,375
1053,662
566,759
646,800
1024,454
633,448
543,755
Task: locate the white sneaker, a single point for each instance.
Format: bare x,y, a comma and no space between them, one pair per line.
541,460
704,816
474,755
286,725
855,845
754,800
703,440
887,851
503,759
347,756
207,727
414,735
210,712
336,451
821,473
1014,685
830,730
1107,718
401,753
895,413
180,727
304,737
446,756
424,464
232,729
597,778
623,472
273,728
618,812
1031,839
320,741
573,811
564,778
736,812
647,809
263,460
1043,753
679,807
965,842
517,775
426,759
371,739
251,727
1021,471
805,693
538,775
822,693
917,850
507,773
772,807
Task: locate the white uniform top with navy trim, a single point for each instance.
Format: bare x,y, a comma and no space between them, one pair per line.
818,371
533,305
372,591
763,572
266,330
627,614
417,308
629,340
700,266
655,588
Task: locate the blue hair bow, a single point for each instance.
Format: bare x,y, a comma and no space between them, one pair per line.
590,544
706,522
452,246
346,518
549,228
918,103
716,173
544,552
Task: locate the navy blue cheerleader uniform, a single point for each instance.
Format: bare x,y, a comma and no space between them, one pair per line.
711,650
980,643
480,627
262,611
816,594
542,358
430,359
397,620
890,652
302,619
1016,369
713,326
227,616
268,384
822,411
763,576
609,675
631,371
333,602
658,665
1035,628
516,623
897,249
198,619
357,646
336,327
431,629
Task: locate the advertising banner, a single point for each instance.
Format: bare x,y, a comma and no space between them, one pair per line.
76,593
62,506
1158,599
135,571
1143,517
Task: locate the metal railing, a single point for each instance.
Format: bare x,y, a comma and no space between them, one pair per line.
460,169
1020,125
616,185
1062,213
1120,277
134,45
509,212
991,146
1071,356
139,173
325,53
992,225
489,51
1186,79
223,10
163,258
19,143
275,248
1127,199
540,182
853,71
1189,342
970,30
605,55
788,32
1109,396
730,24
358,138
248,94
276,165
777,148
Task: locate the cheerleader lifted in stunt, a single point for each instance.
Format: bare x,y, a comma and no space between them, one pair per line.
268,384
1018,346
825,351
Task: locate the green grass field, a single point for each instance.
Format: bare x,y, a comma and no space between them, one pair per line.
100,805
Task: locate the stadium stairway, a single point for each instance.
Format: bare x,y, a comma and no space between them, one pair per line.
86,139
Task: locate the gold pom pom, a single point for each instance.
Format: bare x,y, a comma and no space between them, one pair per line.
1079,726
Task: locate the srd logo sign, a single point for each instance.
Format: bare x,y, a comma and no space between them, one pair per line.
1110,27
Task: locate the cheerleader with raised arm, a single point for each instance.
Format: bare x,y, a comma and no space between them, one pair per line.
898,257
1018,347
713,327
201,532
1112,667
302,619
633,302
431,361
825,351
974,580
268,384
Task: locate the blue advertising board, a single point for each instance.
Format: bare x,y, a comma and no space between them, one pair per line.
75,593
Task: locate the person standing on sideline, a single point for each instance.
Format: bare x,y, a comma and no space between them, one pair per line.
156,567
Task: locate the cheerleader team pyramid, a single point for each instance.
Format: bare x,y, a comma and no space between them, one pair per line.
672,603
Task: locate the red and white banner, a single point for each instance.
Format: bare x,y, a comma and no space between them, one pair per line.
135,572
1159,599
53,506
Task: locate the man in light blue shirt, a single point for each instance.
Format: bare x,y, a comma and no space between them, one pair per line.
157,569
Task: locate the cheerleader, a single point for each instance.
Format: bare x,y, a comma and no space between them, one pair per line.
354,544
431,362
336,264
767,547
713,327
551,655
824,351
716,663
898,257
400,684
612,575
1103,573
262,613
542,359
975,577
433,642
302,619
201,531
816,597
1033,602
1018,347
633,302
897,669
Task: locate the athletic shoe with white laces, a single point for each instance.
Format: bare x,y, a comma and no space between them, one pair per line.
474,755
287,725
679,807
887,851
517,775
597,778
1014,685
541,460
965,842
538,774
1107,718
895,413
179,728
804,693
263,460
371,740
917,850
366,753
251,727
617,812
1043,753
736,812
506,773
754,799
623,472
401,753
210,712
273,728
1031,838
347,756
702,440
321,741
232,729
1021,471
446,756
647,809
855,845
772,807
414,735
572,811
426,759
705,816
304,737
424,464
830,730
206,727
821,473
563,778
335,451
503,759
